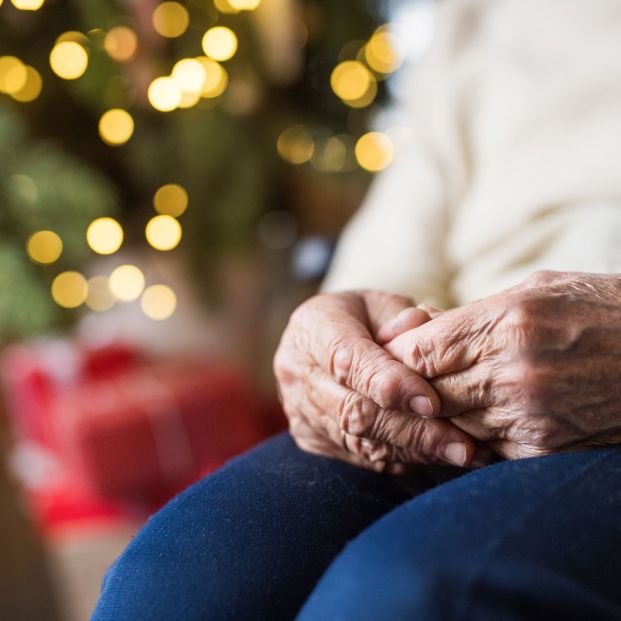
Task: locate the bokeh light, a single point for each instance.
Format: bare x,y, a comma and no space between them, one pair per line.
44,247
189,75
31,88
384,52
68,60
353,83
295,144
116,127
163,232
164,94
74,35
69,289
127,283
171,19
330,155
170,199
28,5
244,5
219,43
13,74
374,151
104,235
224,6
121,43
99,296
158,302
216,77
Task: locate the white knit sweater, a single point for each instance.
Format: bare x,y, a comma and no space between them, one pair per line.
514,160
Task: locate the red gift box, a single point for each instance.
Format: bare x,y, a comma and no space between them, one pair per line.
152,430
102,433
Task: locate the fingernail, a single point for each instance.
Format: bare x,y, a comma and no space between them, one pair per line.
456,453
421,405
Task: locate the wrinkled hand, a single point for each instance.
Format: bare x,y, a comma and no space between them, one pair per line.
347,397
533,370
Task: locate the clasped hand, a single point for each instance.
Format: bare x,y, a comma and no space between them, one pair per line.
371,379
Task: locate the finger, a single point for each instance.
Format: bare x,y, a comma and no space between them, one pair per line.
335,334
364,366
432,311
447,344
316,444
356,415
375,451
471,389
407,319
485,424
382,307
513,450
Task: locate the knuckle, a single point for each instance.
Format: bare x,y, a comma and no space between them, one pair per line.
542,277
522,320
382,386
341,356
356,415
422,438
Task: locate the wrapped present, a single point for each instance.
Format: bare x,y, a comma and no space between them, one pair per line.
102,433
152,430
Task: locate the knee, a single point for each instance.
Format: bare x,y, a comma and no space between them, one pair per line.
375,580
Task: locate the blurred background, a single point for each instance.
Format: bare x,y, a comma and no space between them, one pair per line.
173,177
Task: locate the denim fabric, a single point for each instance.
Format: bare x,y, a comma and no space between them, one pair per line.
534,539
251,540
530,539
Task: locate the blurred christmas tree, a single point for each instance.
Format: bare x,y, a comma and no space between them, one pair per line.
229,103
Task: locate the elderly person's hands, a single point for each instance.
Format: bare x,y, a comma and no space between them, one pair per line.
347,397
533,370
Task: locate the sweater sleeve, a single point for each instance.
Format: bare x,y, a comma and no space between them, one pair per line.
396,240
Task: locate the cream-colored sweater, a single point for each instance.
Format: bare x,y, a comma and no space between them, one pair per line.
514,160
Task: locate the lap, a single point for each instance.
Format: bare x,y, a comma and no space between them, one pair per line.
529,539
251,540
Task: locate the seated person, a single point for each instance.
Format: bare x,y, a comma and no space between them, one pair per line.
441,464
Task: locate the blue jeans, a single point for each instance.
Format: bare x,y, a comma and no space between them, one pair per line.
278,533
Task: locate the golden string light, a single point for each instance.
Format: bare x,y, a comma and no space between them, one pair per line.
44,247
127,283
170,199
69,289
27,5
244,5
158,302
68,60
31,88
384,52
224,6
116,127
104,235
189,74
353,83
99,296
295,144
164,94
163,232
121,43
216,77
219,43
374,151
13,74
74,35
170,19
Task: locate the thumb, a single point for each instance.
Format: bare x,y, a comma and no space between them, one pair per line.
446,344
